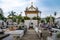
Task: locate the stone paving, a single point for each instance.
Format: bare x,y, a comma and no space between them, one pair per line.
30,35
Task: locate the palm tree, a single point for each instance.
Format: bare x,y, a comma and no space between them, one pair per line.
12,15
18,18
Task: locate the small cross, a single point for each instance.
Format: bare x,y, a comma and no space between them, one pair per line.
31,3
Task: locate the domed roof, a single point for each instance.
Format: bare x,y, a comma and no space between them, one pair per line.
31,8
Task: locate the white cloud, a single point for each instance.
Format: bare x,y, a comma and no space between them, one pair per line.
8,5
11,3
20,5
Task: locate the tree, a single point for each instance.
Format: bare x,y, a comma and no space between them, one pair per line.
22,21
36,18
19,18
12,15
48,19
26,18
42,21
1,15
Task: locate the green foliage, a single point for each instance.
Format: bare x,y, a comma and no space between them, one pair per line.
12,13
5,19
42,21
19,18
12,16
36,18
22,20
26,18
2,17
48,19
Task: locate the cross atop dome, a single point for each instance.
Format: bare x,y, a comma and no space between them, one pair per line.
31,3
31,8
32,11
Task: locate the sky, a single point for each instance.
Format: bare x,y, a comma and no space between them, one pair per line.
46,7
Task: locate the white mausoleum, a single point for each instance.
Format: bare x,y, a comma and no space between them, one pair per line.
31,12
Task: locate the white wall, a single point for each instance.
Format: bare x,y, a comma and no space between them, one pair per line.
57,20
28,21
32,15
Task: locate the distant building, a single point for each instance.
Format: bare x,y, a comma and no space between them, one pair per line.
57,20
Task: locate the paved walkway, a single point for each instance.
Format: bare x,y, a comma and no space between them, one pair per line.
30,35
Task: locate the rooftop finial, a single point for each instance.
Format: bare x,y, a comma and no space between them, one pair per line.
31,3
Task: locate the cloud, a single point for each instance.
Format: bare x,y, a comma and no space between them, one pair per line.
11,4
17,5
47,7
8,5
